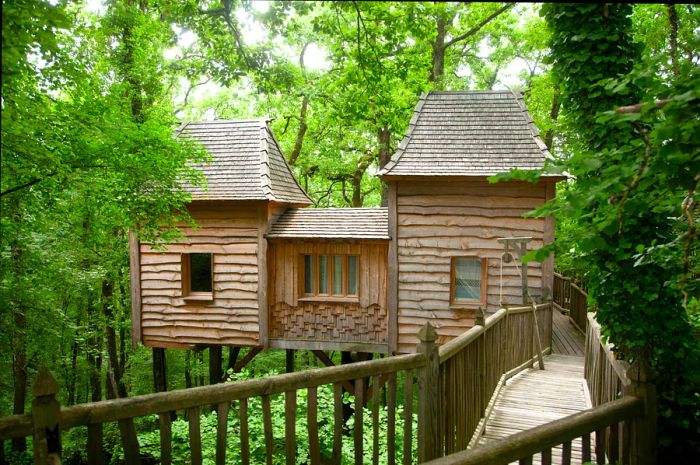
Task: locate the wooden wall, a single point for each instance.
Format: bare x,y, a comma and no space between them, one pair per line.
326,323
231,232
437,220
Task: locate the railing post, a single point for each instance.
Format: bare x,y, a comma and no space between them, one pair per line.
481,321
643,430
46,418
428,401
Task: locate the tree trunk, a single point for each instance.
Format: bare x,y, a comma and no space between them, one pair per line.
19,371
673,38
94,361
384,140
188,370
115,386
73,373
298,144
553,115
437,70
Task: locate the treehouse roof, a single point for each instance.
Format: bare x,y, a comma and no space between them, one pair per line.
246,162
468,133
332,223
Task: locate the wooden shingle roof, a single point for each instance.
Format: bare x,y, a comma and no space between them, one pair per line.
246,162
468,133
332,223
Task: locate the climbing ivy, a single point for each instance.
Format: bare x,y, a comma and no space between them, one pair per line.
631,209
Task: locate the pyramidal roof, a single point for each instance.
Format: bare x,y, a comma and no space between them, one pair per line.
246,162
468,133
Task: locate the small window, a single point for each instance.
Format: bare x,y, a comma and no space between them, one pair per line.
197,276
330,275
468,280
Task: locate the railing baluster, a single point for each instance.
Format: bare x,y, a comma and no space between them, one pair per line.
245,443
566,453
586,447
600,447
375,419
95,448
166,454
525,461
338,423
290,415
312,425
359,401
613,446
267,426
391,414
221,425
547,457
408,418
624,442
195,435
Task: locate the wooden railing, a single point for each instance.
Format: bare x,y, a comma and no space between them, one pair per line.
475,365
619,429
571,299
454,386
47,419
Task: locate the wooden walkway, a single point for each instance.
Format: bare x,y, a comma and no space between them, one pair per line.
535,397
566,339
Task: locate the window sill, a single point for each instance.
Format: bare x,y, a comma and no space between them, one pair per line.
204,297
467,305
353,299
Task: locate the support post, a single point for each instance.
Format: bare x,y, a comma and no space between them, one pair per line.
46,418
536,336
643,429
289,361
428,402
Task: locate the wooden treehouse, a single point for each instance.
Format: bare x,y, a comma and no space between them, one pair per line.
514,384
263,271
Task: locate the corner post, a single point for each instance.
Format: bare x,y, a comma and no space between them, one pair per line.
428,401
643,428
46,420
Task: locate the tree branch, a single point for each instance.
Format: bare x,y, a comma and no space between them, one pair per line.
479,26
638,107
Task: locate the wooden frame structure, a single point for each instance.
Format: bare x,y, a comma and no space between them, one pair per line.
441,206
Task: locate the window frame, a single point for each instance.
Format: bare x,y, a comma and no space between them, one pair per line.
461,303
186,278
315,278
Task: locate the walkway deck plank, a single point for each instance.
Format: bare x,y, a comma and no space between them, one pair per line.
535,397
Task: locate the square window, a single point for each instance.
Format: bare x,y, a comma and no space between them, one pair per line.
468,280
197,276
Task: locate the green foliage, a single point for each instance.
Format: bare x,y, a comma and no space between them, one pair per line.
630,214
150,441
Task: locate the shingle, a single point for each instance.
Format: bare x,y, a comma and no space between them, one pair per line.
468,133
246,162
332,223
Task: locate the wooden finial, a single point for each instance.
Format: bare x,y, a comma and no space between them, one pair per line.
480,317
427,333
45,384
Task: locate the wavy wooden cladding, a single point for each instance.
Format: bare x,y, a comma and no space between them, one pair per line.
230,232
437,220
292,318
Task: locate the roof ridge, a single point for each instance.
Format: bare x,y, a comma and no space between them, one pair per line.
284,159
519,98
406,139
266,185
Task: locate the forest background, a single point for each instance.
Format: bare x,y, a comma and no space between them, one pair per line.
91,93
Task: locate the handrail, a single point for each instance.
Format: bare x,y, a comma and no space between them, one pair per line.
619,366
532,441
119,409
451,348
